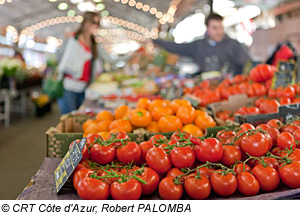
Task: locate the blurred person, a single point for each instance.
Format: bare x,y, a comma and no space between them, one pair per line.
79,64
215,52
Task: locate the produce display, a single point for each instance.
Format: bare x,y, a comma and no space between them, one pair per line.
154,116
240,159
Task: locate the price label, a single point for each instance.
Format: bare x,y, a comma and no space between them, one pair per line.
68,164
289,112
286,74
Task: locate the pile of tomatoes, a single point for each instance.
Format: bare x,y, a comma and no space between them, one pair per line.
155,116
240,159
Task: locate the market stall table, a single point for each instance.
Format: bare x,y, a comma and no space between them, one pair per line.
42,187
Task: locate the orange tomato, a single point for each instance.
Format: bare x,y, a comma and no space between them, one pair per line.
169,123
143,103
104,135
158,112
122,112
88,122
153,127
104,115
176,103
200,112
186,114
103,126
157,103
193,130
204,121
91,129
140,117
122,124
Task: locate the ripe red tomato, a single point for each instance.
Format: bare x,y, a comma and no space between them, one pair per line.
197,188
247,184
255,144
294,156
246,127
152,180
272,93
103,154
269,106
224,135
296,136
168,190
183,157
165,146
267,177
291,129
240,168
205,171
158,139
84,151
109,181
288,92
284,101
223,184
262,126
78,167
131,152
120,135
286,140
174,172
129,190
209,150
145,146
93,189
231,154
158,160
275,123
92,138
272,162
274,133
180,136
79,175
290,174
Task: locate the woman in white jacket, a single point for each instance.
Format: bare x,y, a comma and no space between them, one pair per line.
79,64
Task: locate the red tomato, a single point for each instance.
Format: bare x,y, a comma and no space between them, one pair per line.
78,167
109,181
294,156
205,171
240,168
197,188
276,151
168,190
269,106
152,180
284,101
145,146
231,154
296,136
256,144
247,184
224,135
129,190
131,152
286,140
288,92
158,139
246,127
275,123
158,160
262,126
272,93
120,137
270,140
272,162
79,175
92,138
180,136
209,150
174,172
223,184
183,157
274,133
166,146
103,154
267,177
291,128
290,174
93,189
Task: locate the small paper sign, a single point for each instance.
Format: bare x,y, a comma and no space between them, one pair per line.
68,164
286,74
289,112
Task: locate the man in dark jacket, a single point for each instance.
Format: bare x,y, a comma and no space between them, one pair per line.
216,52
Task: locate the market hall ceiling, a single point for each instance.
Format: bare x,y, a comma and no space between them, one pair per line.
24,13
